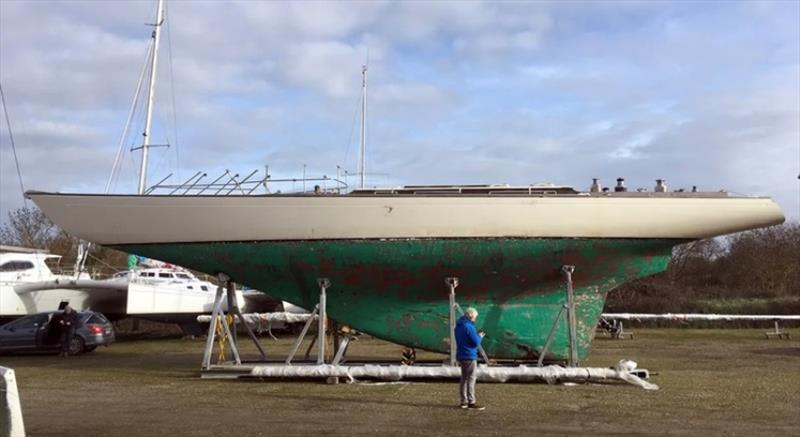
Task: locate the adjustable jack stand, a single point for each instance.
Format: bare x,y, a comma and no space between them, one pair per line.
569,307
227,336
452,283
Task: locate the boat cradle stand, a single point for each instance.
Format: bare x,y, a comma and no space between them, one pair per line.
332,372
614,329
777,333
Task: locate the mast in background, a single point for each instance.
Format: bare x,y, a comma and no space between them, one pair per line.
363,161
151,94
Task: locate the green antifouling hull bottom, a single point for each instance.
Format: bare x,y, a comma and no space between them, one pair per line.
395,289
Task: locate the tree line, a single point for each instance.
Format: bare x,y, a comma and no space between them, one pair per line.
28,227
755,271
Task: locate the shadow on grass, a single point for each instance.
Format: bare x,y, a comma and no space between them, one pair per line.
360,402
782,351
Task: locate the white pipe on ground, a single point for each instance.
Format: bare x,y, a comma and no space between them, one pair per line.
678,316
549,374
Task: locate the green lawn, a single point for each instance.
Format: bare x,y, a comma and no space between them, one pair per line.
712,382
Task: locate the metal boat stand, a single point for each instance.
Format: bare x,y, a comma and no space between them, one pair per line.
614,328
452,284
569,308
777,333
227,335
320,314
621,333
319,338
392,371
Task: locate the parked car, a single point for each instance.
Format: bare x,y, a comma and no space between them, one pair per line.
35,333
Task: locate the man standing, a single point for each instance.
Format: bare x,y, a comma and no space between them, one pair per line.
69,323
468,339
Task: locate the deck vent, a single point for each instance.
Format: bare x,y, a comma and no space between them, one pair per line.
661,187
595,188
620,188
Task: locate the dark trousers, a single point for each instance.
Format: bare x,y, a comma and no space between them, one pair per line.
66,338
468,379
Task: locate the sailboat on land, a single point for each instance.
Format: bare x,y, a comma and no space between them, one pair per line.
387,251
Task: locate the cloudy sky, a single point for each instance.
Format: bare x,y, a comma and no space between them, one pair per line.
698,93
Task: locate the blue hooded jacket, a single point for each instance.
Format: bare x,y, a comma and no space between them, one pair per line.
467,339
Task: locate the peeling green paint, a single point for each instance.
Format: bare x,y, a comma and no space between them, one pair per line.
395,289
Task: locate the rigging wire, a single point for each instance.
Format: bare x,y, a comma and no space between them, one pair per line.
352,129
130,162
113,269
134,105
158,161
13,146
131,140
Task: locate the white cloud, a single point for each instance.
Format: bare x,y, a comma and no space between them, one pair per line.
467,92
324,67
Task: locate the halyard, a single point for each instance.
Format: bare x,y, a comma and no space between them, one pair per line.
712,381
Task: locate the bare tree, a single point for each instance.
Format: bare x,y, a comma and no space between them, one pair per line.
693,258
756,264
763,262
28,227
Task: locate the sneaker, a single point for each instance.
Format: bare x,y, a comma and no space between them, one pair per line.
464,405
476,407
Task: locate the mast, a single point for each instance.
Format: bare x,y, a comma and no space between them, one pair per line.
151,94
363,160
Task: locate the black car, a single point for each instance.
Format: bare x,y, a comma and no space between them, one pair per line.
35,333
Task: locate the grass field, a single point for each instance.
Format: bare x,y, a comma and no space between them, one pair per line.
713,382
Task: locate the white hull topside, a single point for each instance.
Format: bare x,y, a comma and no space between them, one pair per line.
127,219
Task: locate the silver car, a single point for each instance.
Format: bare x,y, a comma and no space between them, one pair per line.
35,333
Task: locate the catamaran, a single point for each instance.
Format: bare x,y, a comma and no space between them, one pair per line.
164,293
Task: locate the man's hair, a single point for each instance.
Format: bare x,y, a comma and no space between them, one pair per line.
471,310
